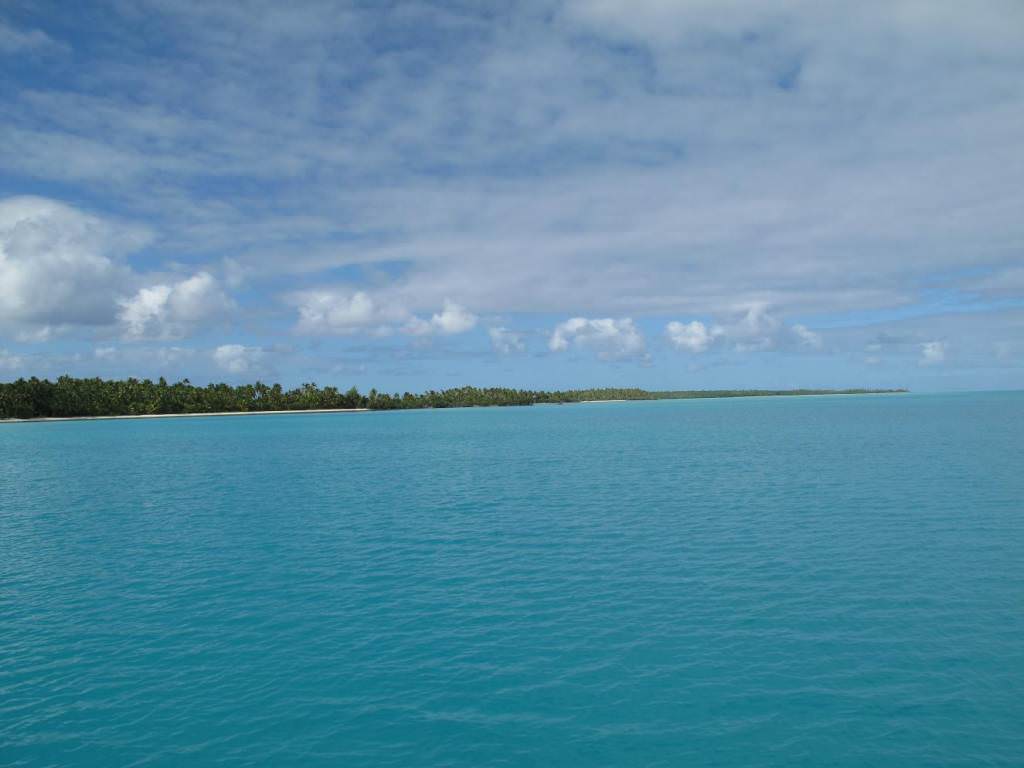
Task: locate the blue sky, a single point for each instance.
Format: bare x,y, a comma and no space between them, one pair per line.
416,195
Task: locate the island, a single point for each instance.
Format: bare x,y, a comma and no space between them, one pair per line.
69,397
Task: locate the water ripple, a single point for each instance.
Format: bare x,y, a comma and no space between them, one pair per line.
780,582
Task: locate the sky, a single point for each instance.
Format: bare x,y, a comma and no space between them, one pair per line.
688,194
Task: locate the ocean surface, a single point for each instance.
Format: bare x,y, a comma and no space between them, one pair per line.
774,581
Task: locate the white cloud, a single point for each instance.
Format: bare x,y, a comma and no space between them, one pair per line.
326,311
611,339
104,353
806,336
754,330
506,342
59,267
742,121
933,352
453,319
173,310
345,313
62,269
236,358
693,336
450,320
671,159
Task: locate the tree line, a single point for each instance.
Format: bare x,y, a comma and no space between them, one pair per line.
68,397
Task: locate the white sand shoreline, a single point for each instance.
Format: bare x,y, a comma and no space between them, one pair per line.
181,415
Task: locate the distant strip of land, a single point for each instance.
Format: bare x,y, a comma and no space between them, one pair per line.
71,398
187,415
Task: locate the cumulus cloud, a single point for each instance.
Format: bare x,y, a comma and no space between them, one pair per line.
693,336
609,338
506,342
345,313
453,319
450,320
326,311
59,267
754,330
236,358
63,269
933,352
173,310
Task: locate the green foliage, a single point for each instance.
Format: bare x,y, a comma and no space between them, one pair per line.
40,398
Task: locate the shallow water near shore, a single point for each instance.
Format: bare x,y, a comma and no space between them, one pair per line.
765,581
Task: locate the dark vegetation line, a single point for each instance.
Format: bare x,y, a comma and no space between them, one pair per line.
67,397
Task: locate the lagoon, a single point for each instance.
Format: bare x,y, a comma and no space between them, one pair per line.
764,581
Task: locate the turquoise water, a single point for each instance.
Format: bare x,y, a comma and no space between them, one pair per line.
813,581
